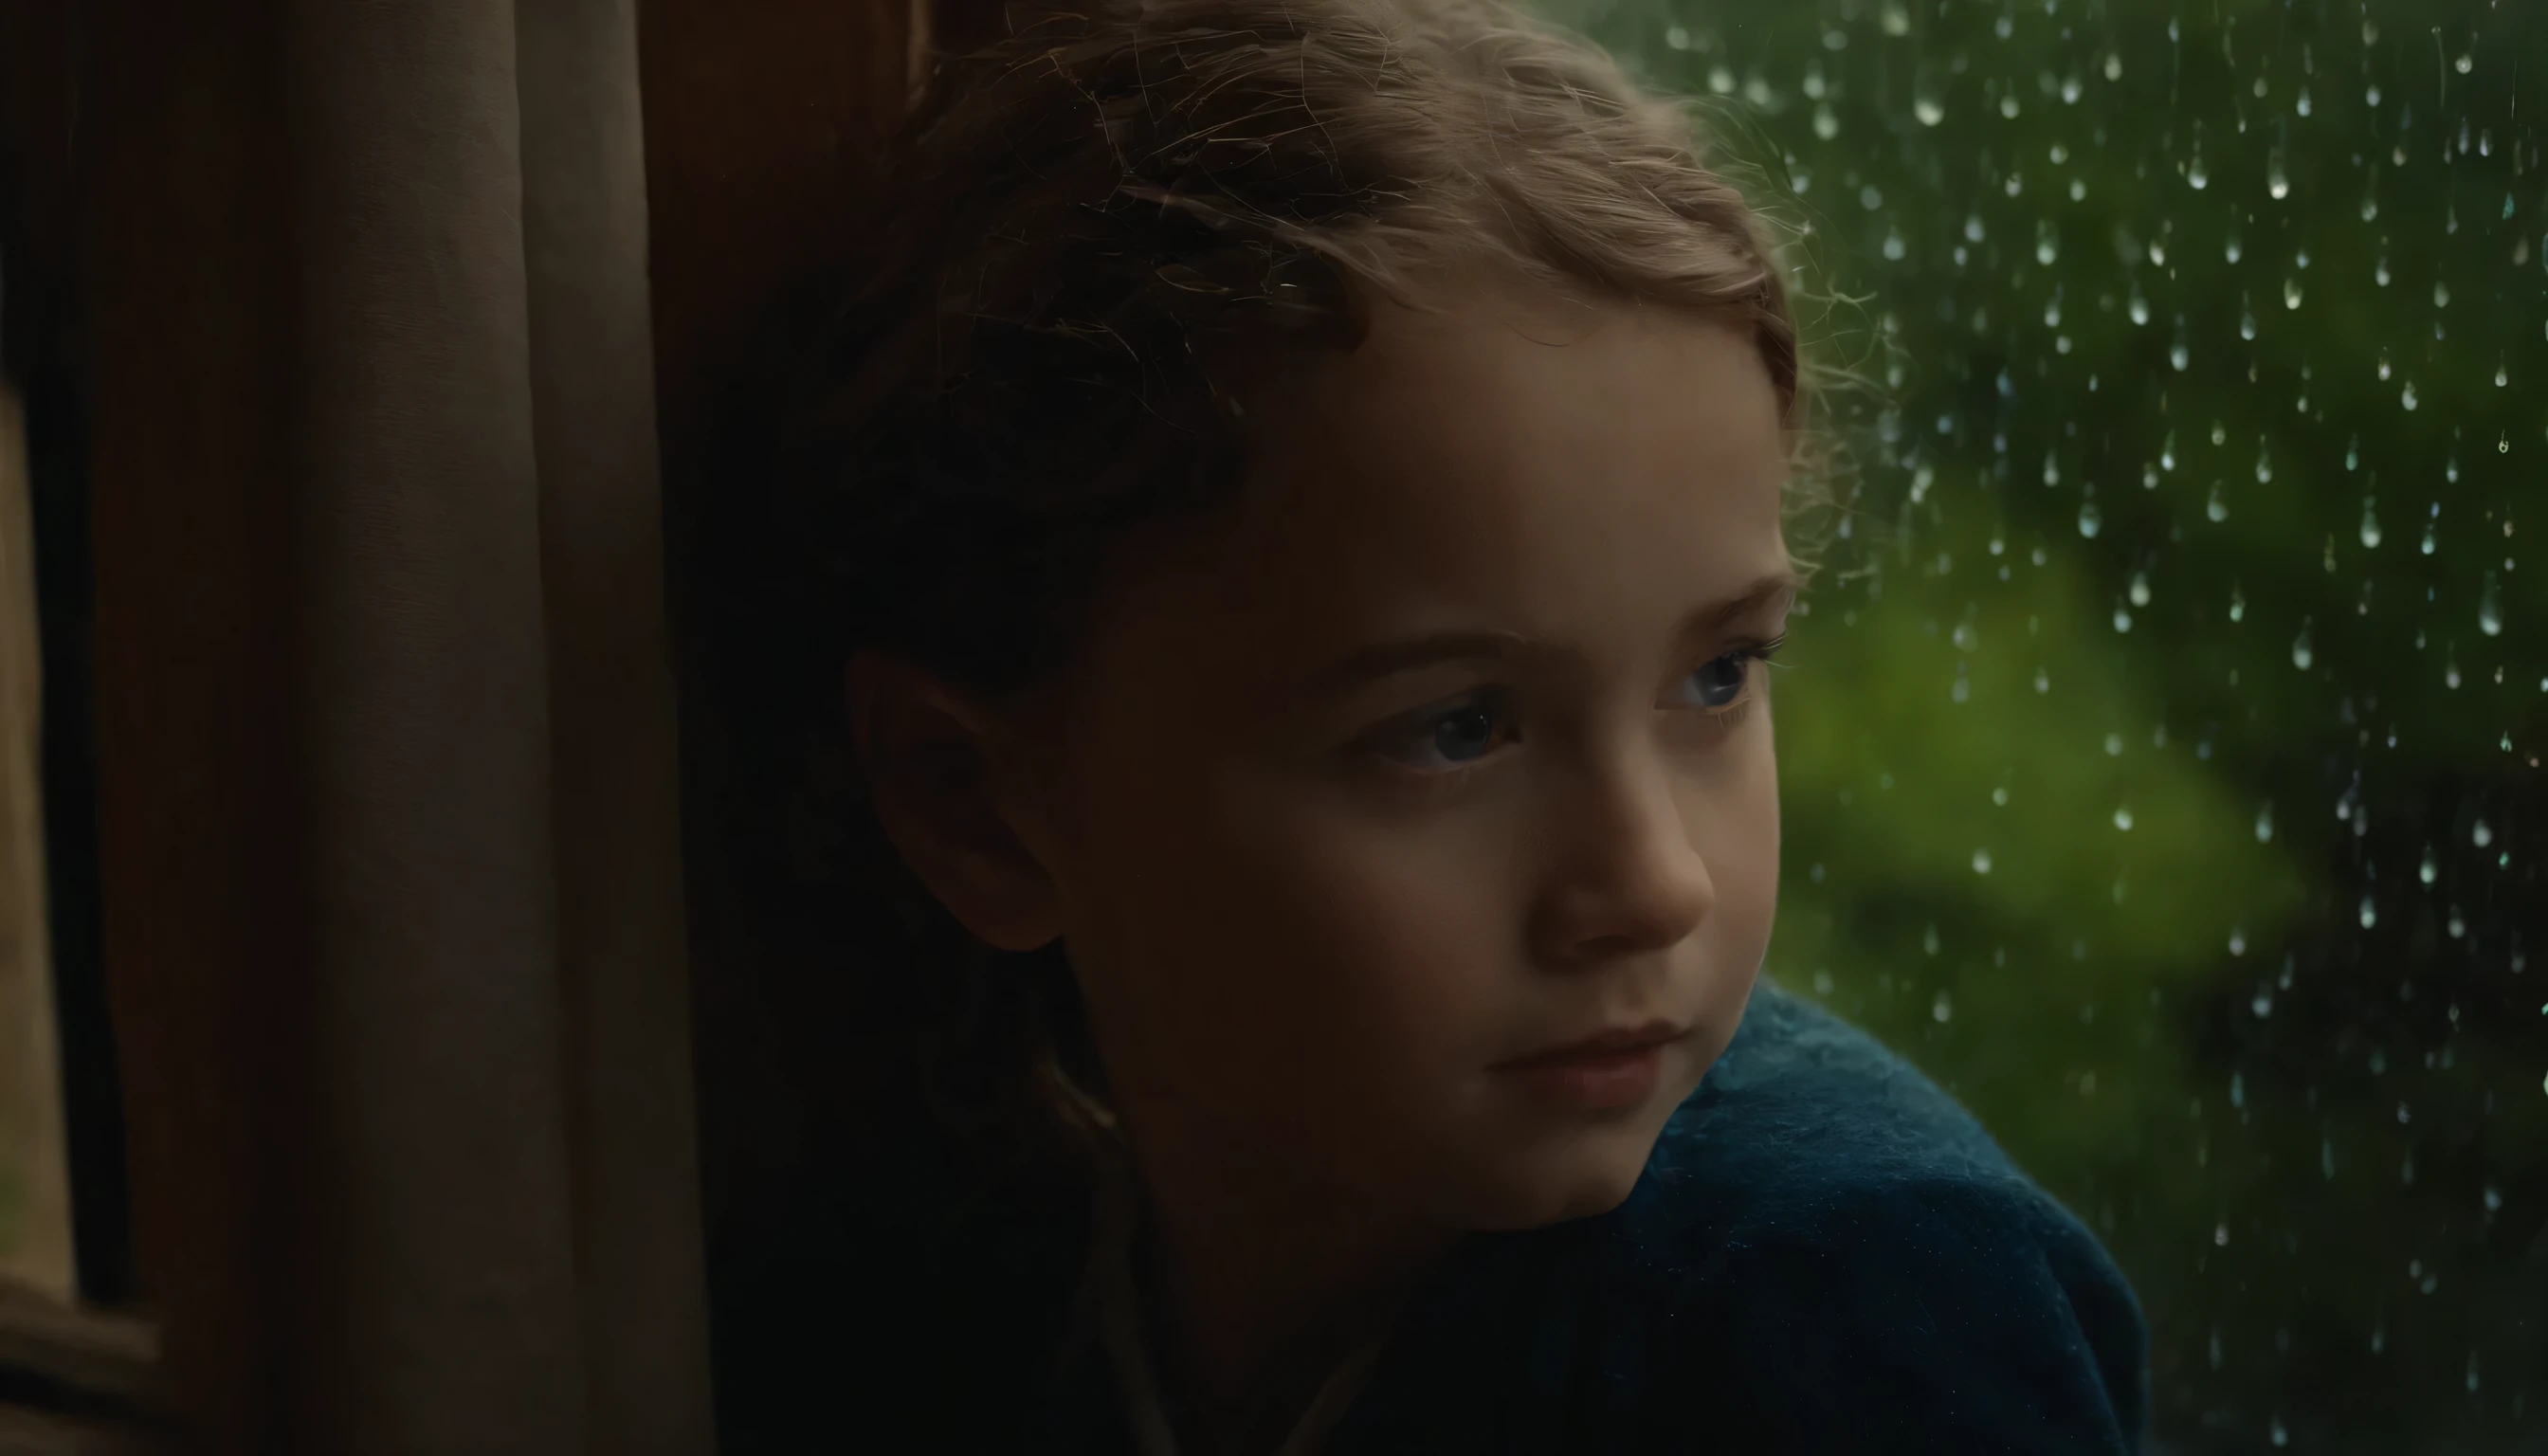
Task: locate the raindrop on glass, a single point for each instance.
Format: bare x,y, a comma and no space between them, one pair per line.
2265,825
2427,871
2302,654
2490,615
2217,509
2370,525
2291,293
1981,862
2089,519
2123,816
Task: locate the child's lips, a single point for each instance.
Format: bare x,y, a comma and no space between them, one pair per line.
1621,1067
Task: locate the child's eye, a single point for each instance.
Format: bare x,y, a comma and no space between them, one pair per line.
1444,739
1720,681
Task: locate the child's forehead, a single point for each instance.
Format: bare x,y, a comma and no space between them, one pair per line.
1463,469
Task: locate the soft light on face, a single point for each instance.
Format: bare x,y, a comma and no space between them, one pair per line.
1446,743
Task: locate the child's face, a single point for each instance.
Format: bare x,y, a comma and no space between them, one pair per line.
1318,911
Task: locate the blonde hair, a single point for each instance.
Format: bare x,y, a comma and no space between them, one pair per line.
1096,228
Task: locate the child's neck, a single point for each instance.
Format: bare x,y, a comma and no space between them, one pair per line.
1262,1294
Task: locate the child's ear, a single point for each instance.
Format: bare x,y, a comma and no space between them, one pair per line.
930,755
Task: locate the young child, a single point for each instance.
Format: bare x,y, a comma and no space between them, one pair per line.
1295,515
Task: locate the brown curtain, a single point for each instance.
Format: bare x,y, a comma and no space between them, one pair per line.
388,797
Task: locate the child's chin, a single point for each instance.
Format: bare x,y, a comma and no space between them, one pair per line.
1593,1180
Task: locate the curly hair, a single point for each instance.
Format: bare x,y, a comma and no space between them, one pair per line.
1097,228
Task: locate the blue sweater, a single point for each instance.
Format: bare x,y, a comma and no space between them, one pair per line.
1825,1254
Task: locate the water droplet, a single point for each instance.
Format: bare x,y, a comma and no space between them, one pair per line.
2237,601
2217,509
2494,1200
2427,871
1929,940
2384,364
2089,519
2490,615
2302,654
2221,1236
2123,619
2265,825
2407,395
2380,274
2177,355
2246,319
1893,244
2237,1090
1896,19
2481,835
1974,229
2370,525
2291,293
2277,185
2262,1003
2462,64
2140,592
2138,308
2429,538
2123,816
2264,464
2441,294
2238,942
2195,176
1826,124
2047,243
2370,918
1981,862
2114,745
2275,1431
2113,66
2500,377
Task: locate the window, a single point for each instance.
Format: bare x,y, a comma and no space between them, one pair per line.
2163,749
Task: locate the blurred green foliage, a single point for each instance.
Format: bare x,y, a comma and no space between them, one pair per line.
2161,748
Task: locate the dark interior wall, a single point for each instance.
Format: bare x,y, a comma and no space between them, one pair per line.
763,126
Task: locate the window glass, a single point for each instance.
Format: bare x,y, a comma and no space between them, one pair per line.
2161,751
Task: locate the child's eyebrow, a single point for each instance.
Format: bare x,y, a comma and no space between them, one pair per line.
1381,659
